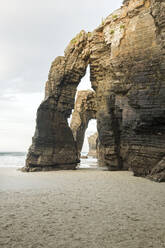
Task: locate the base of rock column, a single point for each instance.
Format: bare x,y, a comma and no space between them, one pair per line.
158,172
49,168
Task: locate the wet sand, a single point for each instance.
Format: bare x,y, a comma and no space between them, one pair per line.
80,209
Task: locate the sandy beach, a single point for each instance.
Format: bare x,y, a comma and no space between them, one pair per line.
80,209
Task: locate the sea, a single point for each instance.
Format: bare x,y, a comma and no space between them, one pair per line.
17,159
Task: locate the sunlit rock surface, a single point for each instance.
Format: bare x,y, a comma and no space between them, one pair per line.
126,54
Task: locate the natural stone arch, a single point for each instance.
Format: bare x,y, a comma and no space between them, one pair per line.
53,144
126,54
85,109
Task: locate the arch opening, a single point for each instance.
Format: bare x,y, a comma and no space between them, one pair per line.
90,131
83,120
84,85
88,159
55,145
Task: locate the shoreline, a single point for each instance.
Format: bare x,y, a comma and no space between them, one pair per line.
81,208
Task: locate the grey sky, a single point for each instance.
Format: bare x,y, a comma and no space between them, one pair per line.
33,33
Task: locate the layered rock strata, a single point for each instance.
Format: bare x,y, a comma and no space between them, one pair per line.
126,54
84,111
53,145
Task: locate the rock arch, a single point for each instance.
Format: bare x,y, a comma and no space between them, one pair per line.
85,109
53,145
126,54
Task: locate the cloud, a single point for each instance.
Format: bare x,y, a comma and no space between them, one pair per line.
17,120
33,33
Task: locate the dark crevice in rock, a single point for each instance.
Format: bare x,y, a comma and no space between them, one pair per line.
115,125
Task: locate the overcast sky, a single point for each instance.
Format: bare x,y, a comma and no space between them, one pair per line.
33,33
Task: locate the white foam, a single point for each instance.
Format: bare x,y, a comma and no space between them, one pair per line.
12,161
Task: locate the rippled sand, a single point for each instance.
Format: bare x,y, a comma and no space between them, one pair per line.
83,208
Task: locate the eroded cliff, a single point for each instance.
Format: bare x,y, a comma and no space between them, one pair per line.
126,54
85,109
53,145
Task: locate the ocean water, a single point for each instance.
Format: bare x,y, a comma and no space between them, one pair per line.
12,159
17,159
89,162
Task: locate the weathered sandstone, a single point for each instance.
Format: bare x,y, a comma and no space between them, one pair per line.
126,54
84,111
53,145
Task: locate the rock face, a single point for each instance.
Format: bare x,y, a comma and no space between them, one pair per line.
92,141
126,54
84,111
53,145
